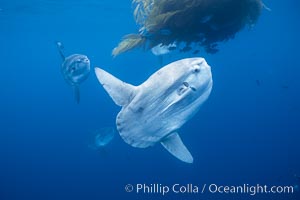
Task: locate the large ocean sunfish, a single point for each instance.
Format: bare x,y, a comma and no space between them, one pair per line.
154,111
75,69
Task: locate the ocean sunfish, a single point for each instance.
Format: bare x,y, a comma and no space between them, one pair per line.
101,137
154,111
75,69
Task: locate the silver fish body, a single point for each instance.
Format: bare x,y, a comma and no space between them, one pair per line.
76,69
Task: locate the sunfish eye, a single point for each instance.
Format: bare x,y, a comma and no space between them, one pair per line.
196,68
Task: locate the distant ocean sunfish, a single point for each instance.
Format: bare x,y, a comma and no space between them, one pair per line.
101,137
154,111
75,69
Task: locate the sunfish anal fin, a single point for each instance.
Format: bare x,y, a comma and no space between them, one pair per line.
175,146
76,93
121,92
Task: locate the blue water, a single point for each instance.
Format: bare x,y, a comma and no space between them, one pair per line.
248,132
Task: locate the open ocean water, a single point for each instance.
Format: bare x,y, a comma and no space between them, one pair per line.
247,133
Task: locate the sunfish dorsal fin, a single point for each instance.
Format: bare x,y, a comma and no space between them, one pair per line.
176,147
60,48
121,92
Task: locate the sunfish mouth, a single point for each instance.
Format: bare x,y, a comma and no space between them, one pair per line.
185,87
186,84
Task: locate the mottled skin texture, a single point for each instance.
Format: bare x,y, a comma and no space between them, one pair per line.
164,102
154,111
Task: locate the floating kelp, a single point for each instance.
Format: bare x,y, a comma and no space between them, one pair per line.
201,22
129,42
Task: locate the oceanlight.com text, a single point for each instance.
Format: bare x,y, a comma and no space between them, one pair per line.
250,189
163,189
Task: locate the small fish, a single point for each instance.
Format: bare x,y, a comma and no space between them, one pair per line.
75,69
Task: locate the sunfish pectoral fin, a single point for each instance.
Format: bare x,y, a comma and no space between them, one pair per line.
76,93
175,146
121,92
